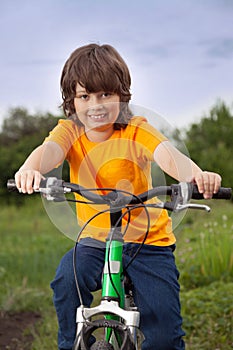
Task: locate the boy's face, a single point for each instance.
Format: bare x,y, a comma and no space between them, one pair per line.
97,110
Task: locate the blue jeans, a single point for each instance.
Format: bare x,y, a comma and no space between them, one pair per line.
156,292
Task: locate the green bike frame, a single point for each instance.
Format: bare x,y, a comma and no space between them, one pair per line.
112,304
113,277
113,288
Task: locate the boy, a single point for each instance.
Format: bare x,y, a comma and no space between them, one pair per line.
106,146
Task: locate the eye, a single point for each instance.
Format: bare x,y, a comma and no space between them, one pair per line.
106,94
84,97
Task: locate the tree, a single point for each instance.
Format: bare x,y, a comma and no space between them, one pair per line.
20,124
210,142
21,133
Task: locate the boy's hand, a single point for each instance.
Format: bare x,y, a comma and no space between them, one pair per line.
208,183
28,180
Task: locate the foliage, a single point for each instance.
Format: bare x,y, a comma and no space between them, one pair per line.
210,142
204,248
21,133
20,124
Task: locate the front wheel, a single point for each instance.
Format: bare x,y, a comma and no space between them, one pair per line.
101,345
120,331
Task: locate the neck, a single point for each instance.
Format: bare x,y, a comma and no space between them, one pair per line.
95,135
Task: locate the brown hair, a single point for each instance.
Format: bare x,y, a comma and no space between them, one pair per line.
96,68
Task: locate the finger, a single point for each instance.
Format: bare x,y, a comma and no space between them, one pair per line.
217,183
202,181
199,182
23,180
207,185
214,182
18,180
29,182
26,181
37,179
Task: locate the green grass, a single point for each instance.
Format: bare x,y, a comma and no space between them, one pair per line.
204,248
205,259
31,248
208,315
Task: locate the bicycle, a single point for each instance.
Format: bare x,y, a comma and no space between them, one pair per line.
116,314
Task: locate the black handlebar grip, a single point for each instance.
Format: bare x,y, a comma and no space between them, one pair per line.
223,193
11,186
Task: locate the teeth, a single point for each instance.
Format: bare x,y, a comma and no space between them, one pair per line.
97,116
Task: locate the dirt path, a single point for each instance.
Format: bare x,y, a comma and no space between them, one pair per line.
13,330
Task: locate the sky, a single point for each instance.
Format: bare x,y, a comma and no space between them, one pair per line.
179,52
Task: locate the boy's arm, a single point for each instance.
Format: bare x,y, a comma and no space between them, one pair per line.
42,160
181,168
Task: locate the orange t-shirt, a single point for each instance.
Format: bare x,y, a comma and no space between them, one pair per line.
124,162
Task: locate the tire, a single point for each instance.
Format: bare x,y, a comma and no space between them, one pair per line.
101,345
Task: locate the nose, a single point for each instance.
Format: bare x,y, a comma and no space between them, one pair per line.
94,104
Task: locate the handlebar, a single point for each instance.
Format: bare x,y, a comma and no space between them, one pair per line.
54,189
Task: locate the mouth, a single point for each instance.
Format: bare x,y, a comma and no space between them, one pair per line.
98,117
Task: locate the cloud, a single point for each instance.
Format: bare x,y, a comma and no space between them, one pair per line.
215,50
35,62
221,48
176,49
160,51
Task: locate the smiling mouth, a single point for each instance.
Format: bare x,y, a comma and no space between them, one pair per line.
97,117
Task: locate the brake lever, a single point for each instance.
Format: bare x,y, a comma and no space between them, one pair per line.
181,207
181,194
53,190
179,197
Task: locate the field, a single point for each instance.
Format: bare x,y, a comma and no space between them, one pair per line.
31,248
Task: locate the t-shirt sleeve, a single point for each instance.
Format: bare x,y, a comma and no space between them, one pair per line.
64,134
148,136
